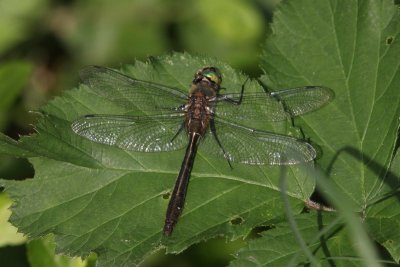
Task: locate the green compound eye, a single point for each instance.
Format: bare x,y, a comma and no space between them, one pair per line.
213,74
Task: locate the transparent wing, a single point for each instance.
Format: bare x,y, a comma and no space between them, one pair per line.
149,98
254,106
136,133
248,146
302,100
275,106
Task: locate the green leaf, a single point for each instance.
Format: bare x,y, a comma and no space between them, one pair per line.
345,47
325,238
99,198
352,47
383,217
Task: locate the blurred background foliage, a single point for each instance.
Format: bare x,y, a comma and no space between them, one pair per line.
44,43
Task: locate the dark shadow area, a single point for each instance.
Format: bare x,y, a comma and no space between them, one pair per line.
324,239
213,253
13,256
15,168
257,231
237,221
389,40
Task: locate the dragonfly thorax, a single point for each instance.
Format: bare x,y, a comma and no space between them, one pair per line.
199,111
203,89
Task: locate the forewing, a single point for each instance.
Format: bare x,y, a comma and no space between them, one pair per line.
275,106
136,133
248,146
135,95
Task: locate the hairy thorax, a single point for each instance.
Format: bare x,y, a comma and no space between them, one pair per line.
199,109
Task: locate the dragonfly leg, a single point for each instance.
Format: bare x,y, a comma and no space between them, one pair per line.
180,108
214,133
238,102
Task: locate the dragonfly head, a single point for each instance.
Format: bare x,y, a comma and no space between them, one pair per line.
210,75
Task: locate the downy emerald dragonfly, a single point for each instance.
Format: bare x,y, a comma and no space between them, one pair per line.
169,119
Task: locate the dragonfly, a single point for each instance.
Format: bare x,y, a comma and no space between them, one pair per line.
164,118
